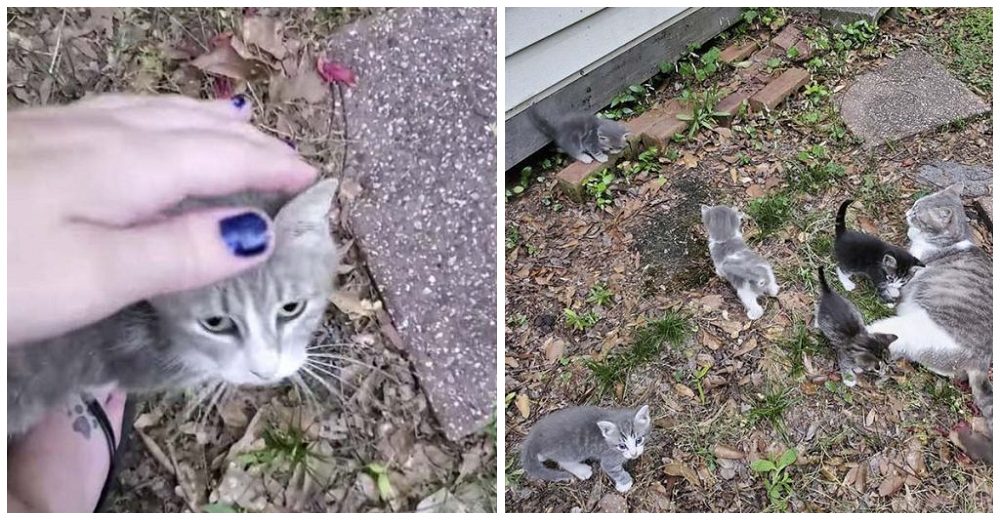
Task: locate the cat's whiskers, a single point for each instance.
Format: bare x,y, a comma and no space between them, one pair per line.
323,382
356,362
306,393
215,402
204,393
328,369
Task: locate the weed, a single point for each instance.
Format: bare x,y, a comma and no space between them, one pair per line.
699,68
813,171
971,41
773,64
672,154
629,102
703,114
600,295
599,187
647,161
816,93
580,321
797,344
877,195
381,475
840,390
673,328
777,481
771,407
944,392
698,375
792,53
855,35
517,320
770,212
512,237
289,445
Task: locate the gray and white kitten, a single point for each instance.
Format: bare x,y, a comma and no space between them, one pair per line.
944,320
841,322
745,270
583,136
252,329
573,436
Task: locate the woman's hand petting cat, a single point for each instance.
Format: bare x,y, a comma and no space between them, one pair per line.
87,187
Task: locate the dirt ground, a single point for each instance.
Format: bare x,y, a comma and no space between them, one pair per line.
363,439
726,392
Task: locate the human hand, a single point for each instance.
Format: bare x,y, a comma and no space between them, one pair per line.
88,182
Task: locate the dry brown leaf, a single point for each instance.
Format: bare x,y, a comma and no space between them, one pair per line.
354,306
223,60
677,469
305,84
683,390
725,452
553,348
891,485
755,191
523,404
266,33
689,160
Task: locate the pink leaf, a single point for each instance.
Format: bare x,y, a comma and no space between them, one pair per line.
334,72
222,87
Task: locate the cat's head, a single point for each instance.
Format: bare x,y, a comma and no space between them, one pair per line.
721,222
612,136
870,350
627,435
939,218
254,328
898,266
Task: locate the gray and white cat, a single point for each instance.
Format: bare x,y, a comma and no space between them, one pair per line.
944,320
745,270
573,436
583,136
841,322
252,329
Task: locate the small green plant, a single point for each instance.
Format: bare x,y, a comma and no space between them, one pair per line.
647,161
868,302
672,154
792,53
703,114
287,445
877,195
777,481
517,320
699,68
770,406
971,42
855,35
599,187
840,390
381,475
698,375
816,93
580,321
512,237
600,295
629,102
773,64
813,171
673,329
770,212
796,345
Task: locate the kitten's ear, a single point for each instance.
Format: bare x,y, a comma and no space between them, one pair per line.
889,261
642,418
704,209
608,429
305,217
956,188
885,339
942,216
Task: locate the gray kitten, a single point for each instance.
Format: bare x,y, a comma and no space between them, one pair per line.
573,436
582,136
945,317
252,329
745,270
841,322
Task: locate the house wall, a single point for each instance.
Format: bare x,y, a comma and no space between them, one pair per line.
564,59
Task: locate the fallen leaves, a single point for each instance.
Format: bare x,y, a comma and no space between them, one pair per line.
523,404
223,60
334,72
677,469
725,452
266,33
553,349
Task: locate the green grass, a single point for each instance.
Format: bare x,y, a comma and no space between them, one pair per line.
770,407
770,212
512,237
578,321
673,329
813,171
799,342
288,444
868,301
877,195
971,41
600,295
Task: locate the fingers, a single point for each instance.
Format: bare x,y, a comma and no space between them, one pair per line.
184,252
238,107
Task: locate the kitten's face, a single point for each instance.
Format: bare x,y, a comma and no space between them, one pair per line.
254,329
898,268
721,222
938,218
612,135
628,437
870,349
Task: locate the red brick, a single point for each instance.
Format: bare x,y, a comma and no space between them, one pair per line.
805,50
777,90
572,177
731,104
661,131
787,37
737,52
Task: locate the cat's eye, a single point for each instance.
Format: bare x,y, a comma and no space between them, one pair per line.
622,446
638,441
291,310
218,324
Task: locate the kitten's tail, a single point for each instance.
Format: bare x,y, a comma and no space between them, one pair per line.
822,280
541,123
841,214
533,468
980,447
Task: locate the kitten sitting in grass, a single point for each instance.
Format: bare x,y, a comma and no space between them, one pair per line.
745,270
573,436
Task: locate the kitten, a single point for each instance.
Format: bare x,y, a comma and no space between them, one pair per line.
572,436
582,136
887,266
745,270
252,329
944,320
841,322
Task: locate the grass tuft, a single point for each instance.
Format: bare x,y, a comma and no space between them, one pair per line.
801,341
770,212
673,329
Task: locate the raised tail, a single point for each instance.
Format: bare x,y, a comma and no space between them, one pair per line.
541,123
533,468
841,214
822,280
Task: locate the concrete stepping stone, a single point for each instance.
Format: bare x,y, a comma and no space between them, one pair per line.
911,94
422,151
978,180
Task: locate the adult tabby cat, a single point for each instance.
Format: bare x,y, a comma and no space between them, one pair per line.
252,329
944,320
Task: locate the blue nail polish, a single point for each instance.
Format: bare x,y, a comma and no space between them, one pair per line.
245,234
239,100
289,142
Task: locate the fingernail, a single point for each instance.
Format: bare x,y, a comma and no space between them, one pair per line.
289,142
244,234
239,100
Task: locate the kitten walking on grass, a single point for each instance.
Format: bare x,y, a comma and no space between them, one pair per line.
573,436
745,270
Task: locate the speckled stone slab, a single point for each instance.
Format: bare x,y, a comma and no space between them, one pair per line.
912,94
976,179
422,146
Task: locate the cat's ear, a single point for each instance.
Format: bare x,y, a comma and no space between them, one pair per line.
889,261
704,209
956,188
305,217
642,418
885,339
942,216
608,429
